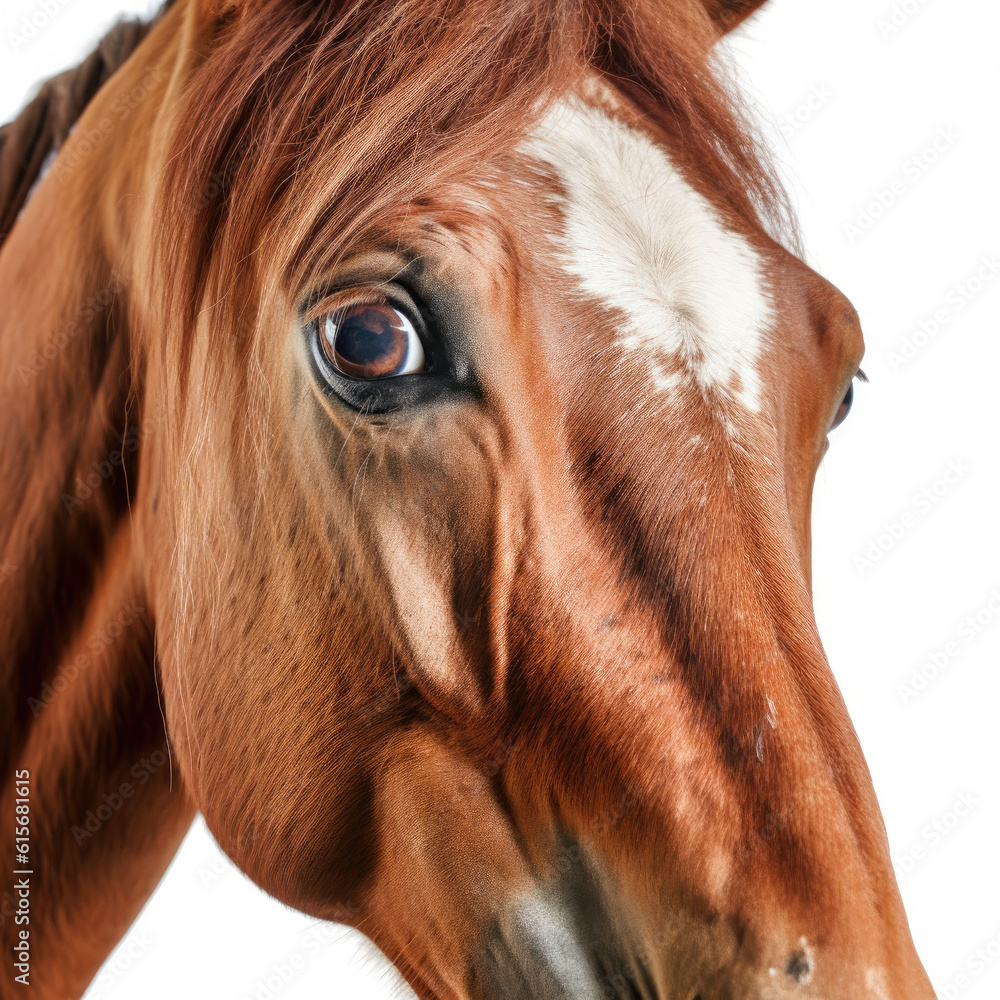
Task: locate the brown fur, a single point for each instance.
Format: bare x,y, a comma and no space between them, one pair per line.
413,667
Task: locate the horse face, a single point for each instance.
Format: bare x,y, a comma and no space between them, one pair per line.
503,649
467,524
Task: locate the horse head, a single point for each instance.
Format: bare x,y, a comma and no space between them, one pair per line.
413,408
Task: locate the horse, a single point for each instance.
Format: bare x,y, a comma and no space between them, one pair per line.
412,409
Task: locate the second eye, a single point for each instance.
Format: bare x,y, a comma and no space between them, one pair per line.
371,341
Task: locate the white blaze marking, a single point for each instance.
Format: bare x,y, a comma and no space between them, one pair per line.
641,239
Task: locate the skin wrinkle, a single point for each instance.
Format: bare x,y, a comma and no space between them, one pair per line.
363,740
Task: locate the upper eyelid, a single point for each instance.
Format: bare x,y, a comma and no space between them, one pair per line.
344,298
362,294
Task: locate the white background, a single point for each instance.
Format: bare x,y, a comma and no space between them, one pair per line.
880,93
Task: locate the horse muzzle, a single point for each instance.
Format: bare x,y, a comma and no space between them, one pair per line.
571,940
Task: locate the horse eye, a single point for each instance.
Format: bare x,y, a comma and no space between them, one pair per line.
371,341
844,408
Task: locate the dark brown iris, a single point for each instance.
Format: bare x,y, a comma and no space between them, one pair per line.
366,341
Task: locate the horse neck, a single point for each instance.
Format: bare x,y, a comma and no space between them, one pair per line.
73,399
70,386
79,707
